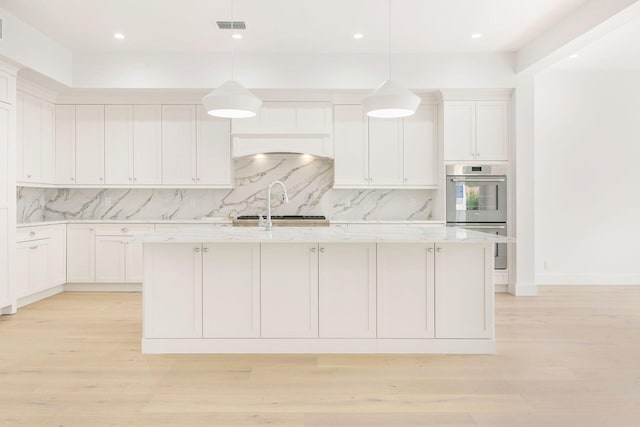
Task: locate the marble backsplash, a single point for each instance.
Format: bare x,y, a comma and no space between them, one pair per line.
308,181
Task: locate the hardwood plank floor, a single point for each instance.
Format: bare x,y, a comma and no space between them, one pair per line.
570,357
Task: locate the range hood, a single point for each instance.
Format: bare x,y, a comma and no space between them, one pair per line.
285,127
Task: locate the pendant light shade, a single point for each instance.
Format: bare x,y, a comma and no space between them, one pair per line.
231,101
391,100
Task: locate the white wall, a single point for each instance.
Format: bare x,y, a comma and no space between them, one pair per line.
282,71
587,170
30,48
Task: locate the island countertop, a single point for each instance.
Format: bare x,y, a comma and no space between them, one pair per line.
365,234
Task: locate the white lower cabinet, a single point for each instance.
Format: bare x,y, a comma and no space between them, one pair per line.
464,291
406,290
134,262
347,290
110,259
32,267
173,290
231,290
81,252
289,287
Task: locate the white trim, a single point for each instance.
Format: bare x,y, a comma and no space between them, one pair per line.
476,94
318,345
36,90
30,299
499,289
523,290
103,287
588,279
148,186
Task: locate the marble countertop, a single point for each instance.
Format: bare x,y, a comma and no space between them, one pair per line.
129,221
371,234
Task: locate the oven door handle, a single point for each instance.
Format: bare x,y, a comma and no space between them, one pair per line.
478,179
500,227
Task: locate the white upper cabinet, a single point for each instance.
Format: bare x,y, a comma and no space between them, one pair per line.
213,149
420,136
351,146
35,139
118,144
385,153
65,145
147,144
476,130
179,144
133,144
90,144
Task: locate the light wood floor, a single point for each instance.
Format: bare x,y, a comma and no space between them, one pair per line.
570,357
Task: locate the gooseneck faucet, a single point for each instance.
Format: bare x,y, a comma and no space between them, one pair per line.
268,225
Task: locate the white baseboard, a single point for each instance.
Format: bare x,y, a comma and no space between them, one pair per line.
587,279
103,287
30,299
317,345
501,288
523,289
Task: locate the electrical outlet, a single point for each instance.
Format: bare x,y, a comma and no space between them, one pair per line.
547,265
107,202
347,202
412,203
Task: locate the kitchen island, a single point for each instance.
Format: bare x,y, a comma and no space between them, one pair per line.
319,290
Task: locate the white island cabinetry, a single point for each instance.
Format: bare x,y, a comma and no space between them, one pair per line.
406,290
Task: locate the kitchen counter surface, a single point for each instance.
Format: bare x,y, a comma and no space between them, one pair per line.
369,234
130,221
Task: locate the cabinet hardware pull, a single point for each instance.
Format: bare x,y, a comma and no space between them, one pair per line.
430,250
32,233
130,179
196,249
72,178
205,250
322,250
101,178
124,230
33,247
439,249
28,176
313,249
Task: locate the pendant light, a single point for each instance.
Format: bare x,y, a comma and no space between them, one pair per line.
231,100
390,99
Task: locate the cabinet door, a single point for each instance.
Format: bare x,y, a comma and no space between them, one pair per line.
172,290
57,256
31,139
231,290
81,246
464,305
350,146
22,269
421,147
405,290
213,149
6,135
65,152
90,144
118,144
47,142
39,266
385,152
5,246
19,136
347,290
134,262
110,259
147,144
459,130
289,287
492,130
179,144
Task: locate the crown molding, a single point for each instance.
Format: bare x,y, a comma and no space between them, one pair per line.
36,90
497,94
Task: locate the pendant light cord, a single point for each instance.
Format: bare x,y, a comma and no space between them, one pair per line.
389,41
233,45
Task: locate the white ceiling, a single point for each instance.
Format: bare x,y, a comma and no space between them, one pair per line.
292,26
617,50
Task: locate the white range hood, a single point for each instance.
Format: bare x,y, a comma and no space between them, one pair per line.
285,127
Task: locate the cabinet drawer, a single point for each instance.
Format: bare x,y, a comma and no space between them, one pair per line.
24,234
122,229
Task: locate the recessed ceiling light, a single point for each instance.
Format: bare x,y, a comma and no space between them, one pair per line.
237,36
358,36
476,36
574,56
118,36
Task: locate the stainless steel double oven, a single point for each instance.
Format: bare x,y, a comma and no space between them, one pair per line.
477,200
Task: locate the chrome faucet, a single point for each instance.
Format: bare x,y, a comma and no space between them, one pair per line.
268,225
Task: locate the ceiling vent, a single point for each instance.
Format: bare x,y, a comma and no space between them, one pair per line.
231,25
